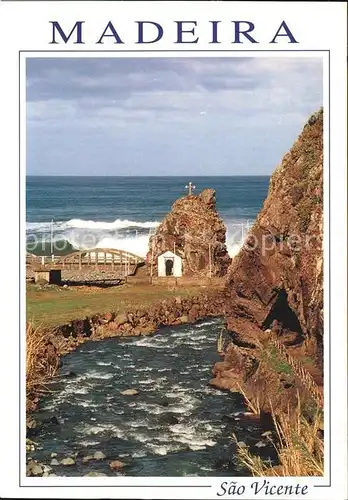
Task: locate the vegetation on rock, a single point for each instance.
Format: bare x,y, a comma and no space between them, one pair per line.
299,446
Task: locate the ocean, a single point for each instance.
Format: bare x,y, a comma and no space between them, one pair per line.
67,213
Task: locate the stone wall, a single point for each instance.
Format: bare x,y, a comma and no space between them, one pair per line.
144,321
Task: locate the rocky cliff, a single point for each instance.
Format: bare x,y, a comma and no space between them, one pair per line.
275,283
196,232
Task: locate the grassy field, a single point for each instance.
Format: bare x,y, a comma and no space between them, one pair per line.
52,306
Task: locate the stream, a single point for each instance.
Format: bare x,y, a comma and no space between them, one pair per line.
177,425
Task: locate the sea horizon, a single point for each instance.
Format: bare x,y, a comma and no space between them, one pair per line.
154,176
123,211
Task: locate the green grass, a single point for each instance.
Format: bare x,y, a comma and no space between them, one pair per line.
276,361
308,361
52,306
284,368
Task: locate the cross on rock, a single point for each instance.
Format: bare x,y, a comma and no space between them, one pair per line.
190,188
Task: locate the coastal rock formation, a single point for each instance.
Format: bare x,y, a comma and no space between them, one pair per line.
196,232
275,283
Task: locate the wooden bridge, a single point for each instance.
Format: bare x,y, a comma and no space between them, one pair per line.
109,259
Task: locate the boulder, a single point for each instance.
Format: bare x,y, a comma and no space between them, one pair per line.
33,427
130,318
116,465
194,228
99,455
184,319
95,474
194,313
34,469
126,329
129,392
121,319
267,434
137,331
108,317
260,444
67,461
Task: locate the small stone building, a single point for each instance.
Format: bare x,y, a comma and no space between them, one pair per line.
169,264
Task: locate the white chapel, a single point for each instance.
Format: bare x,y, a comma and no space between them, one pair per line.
169,264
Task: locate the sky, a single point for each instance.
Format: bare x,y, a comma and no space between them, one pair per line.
166,116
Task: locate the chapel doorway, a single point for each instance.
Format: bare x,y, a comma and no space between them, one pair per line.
169,267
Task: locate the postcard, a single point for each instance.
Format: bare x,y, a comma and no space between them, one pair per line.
174,256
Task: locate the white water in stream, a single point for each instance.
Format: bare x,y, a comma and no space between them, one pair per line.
177,425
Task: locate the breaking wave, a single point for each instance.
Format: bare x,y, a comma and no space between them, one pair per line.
127,235
89,224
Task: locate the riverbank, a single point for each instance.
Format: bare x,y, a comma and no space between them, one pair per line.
147,403
131,311
267,368
283,383
51,306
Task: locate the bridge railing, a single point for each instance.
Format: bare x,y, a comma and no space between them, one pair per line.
93,258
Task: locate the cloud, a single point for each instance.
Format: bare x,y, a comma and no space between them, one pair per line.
171,98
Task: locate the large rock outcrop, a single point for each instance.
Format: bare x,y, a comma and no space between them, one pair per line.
275,283
194,229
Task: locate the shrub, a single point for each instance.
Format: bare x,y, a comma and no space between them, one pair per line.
41,361
299,447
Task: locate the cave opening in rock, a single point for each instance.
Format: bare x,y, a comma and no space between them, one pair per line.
283,319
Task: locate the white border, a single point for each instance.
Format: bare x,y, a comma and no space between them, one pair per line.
327,31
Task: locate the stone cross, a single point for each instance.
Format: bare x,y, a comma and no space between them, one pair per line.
190,188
